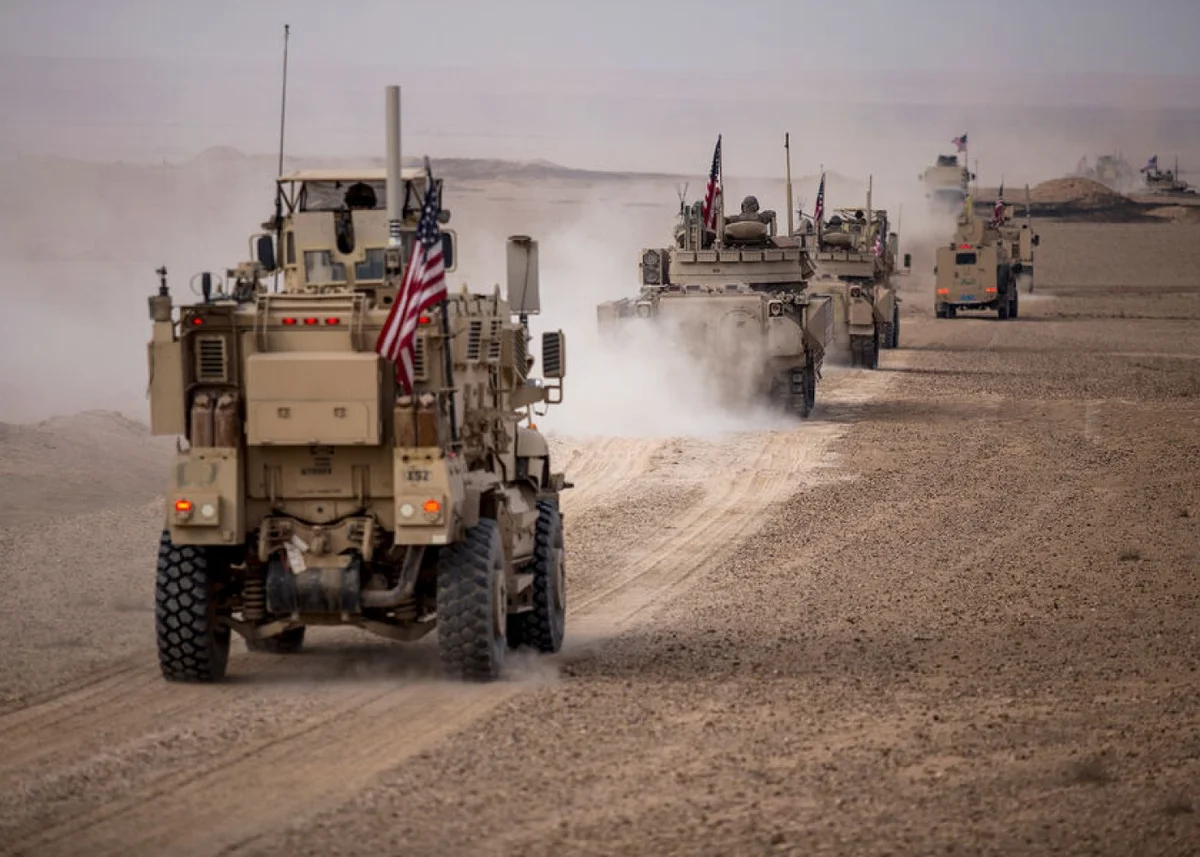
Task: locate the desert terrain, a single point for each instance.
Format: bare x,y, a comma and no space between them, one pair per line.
953,612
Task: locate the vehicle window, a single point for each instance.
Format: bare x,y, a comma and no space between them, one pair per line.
370,268
319,267
964,259
331,195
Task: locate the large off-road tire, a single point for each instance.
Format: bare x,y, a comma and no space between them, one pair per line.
1002,310
543,627
287,643
193,646
894,331
472,604
1016,299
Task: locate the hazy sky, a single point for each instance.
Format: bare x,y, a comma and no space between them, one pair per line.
1146,37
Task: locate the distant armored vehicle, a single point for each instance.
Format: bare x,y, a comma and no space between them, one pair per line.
325,482
732,293
1165,181
856,258
975,270
947,182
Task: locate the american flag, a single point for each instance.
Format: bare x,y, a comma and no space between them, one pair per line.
709,210
960,142
819,210
998,211
423,285
878,248
1151,164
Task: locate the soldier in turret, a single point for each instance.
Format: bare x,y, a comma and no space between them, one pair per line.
750,212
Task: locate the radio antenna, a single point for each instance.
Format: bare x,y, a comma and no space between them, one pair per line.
279,171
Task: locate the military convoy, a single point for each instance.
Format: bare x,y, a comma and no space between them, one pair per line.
735,298
855,254
312,489
976,270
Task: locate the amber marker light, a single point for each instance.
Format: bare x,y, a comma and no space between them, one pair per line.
432,507
183,505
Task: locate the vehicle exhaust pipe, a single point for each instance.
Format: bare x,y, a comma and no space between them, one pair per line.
395,180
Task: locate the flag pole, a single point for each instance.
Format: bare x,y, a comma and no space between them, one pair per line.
444,313
787,149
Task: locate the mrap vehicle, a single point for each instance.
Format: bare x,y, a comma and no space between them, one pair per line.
313,489
974,271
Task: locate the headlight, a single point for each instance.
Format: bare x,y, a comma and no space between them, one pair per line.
855,292
775,308
643,309
651,268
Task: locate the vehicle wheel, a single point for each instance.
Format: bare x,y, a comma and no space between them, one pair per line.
1002,311
472,604
894,333
871,350
951,312
193,646
939,311
287,643
1012,313
543,627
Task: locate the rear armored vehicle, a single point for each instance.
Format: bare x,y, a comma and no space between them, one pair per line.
358,449
1020,237
732,293
855,255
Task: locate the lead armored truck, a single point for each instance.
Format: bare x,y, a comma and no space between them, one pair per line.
310,490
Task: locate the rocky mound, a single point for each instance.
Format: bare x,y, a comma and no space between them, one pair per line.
1079,192
89,461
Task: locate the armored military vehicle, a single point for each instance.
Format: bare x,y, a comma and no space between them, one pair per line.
855,260
315,488
974,271
735,297
1021,240
1165,181
946,183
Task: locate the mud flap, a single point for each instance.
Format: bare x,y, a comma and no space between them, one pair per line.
313,591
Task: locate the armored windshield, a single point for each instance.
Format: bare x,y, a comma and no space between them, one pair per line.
342,195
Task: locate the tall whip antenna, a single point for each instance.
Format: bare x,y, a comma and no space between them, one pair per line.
279,170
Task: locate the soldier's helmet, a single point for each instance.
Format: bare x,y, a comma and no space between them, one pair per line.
750,205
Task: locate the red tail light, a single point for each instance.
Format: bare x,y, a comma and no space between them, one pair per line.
289,321
333,321
311,321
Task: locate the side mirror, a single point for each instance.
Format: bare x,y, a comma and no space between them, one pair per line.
448,246
1037,239
554,354
264,251
908,260
524,297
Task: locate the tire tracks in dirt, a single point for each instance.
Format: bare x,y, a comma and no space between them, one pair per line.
131,765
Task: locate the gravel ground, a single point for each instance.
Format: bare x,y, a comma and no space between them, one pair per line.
953,613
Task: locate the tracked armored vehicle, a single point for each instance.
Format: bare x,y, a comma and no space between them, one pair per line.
974,271
947,183
1165,182
313,489
855,255
735,297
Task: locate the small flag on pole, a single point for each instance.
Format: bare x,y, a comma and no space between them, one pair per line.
423,285
960,142
709,210
819,210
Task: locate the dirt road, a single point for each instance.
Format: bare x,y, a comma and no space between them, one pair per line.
955,612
